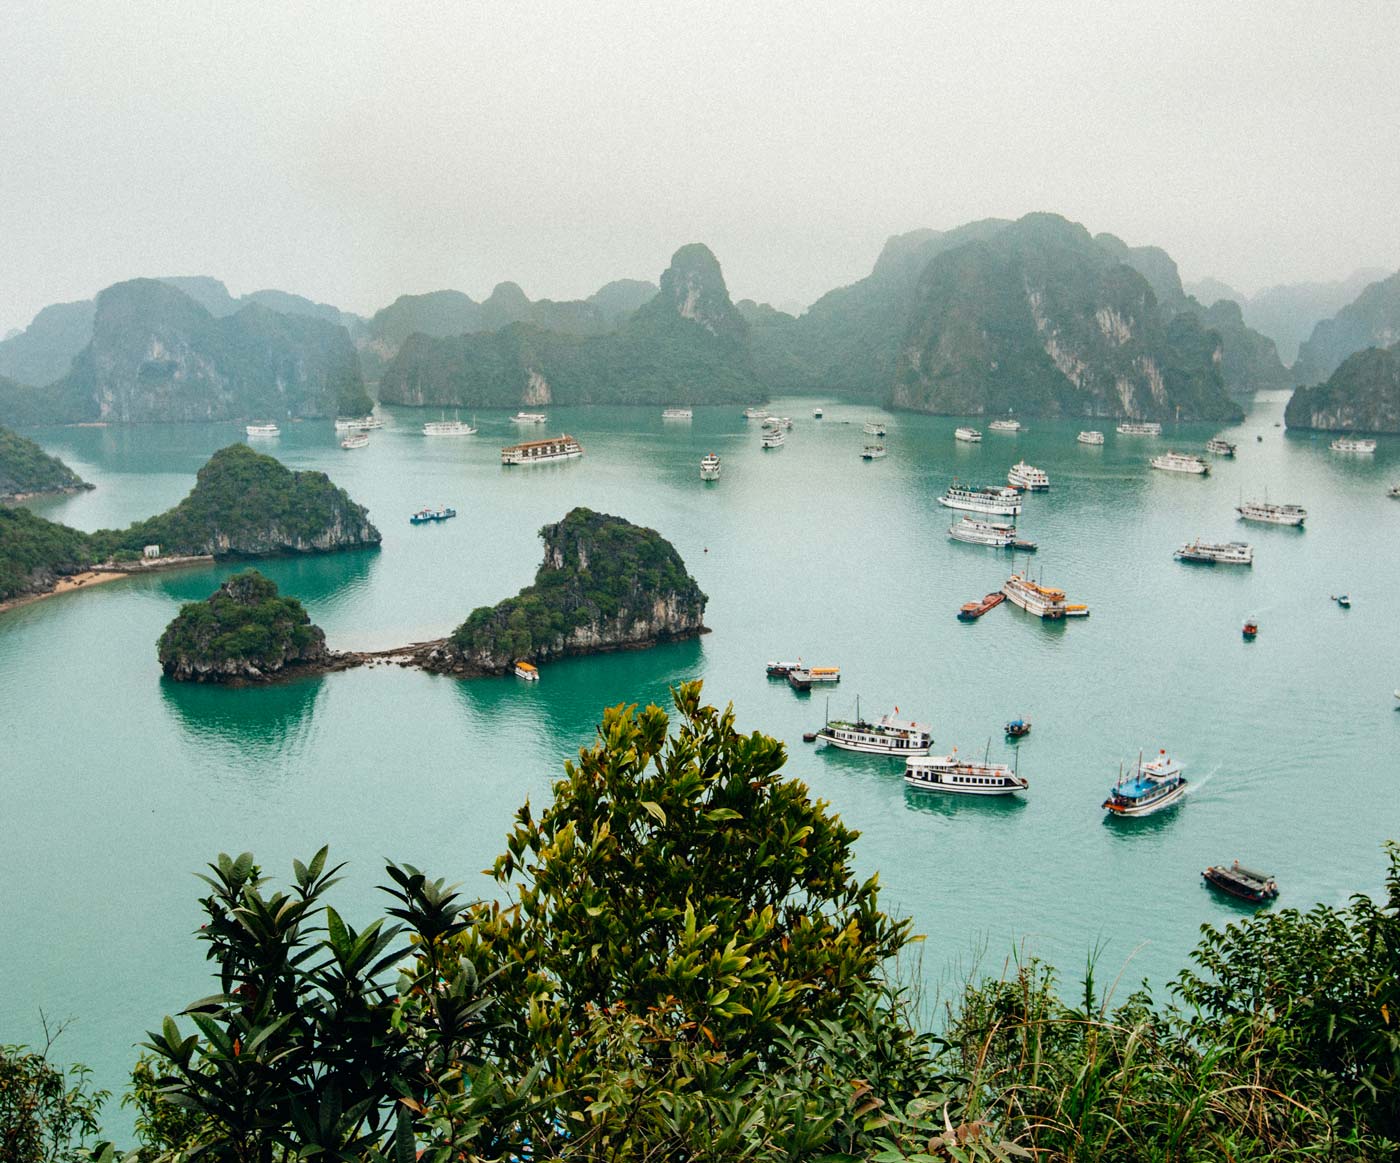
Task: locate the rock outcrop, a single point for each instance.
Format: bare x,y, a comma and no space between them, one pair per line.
1371,320
244,633
246,504
1363,395
605,584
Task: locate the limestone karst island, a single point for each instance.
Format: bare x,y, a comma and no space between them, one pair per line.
699,584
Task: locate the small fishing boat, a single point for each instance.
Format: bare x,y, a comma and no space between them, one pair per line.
1153,786
256,430
1343,600
527,671
709,467
873,452
1346,444
1251,630
816,413
782,669
677,414
424,516
802,678
355,440
1244,883
1220,447
971,611
1091,437
948,773
1018,728
967,435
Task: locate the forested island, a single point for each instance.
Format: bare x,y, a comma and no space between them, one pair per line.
243,504
26,470
677,960
1362,395
245,632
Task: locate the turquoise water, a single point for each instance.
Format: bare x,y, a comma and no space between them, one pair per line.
117,786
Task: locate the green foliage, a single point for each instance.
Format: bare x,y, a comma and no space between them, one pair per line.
596,568
245,503
243,620
27,468
34,551
1363,395
45,1114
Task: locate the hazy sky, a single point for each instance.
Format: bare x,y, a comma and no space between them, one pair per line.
354,152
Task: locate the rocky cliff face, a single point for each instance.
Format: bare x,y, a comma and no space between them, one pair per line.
687,344
1363,395
1040,319
244,633
245,504
158,355
605,584
1372,320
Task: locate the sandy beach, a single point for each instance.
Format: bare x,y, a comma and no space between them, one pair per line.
77,581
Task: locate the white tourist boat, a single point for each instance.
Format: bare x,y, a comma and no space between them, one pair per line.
975,532
358,424
1271,514
784,422
563,447
709,467
873,452
967,435
1139,428
1028,477
773,438
1091,437
817,413
948,773
1216,552
803,678
888,736
1349,444
355,440
256,430
448,428
1005,426
1043,601
874,428
1002,502
755,413
1220,447
1181,462
1153,786
677,414
529,418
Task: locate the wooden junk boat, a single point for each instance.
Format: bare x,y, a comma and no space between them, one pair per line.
1242,882
971,611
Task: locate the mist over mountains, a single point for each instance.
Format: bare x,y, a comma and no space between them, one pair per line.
1037,315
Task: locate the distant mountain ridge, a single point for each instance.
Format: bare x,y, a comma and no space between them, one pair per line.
1372,319
1362,395
687,343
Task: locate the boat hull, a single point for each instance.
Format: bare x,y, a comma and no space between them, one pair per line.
1237,890
960,790
1137,811
825,740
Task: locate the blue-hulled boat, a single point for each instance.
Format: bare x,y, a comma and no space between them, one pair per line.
1150,788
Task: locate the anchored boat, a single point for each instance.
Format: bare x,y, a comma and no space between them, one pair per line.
262,430
1139,428
967,435
1028,477
1005,426
527,671
358,424
971,611
1043,601
1181,462
1344,444
873,452
889,736
423,516
773,438
355,440
874,428
782,669
1018,728
709,467
677,414
801,678
1242,882
448,428
1268,514
975,532
1220,447
1150,788
529,418
1093,437
563,447
1216,553
994,499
